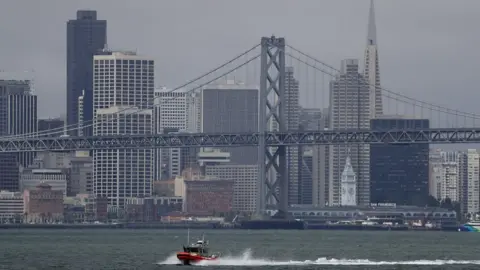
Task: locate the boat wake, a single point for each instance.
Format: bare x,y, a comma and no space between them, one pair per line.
246,259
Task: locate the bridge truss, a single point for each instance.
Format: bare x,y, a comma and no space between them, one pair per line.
270,139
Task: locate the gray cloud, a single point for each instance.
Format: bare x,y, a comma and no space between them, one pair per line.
428,49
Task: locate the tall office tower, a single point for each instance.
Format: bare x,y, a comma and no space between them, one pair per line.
321,166
18,115
310,119
292,111
468,170
85,36
372,68
399,173
231,108
349,109
174,112
123,98
435,173
305,177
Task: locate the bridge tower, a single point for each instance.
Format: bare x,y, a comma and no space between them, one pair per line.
272,110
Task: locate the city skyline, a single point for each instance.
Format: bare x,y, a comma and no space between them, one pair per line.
49,81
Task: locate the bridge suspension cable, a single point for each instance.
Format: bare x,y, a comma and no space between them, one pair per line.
90,123
395,95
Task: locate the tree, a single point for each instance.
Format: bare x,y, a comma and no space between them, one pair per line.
432,201
447,204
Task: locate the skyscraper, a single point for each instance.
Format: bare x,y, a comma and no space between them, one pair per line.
349,109
469,174
18,115
85,36
399,173
372,68
174,111
292,111
123,91
231,108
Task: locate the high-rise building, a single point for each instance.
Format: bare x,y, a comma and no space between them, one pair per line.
372,67
123,98
468,170
435,173
173,112
399,172
305,177
349,109
292,117
18,115
85,36
445,175
231,108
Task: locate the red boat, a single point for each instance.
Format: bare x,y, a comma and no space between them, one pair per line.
196,253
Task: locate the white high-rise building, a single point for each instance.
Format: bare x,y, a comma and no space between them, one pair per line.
174,112
470,181
123,94
450,184
349,109
349,185
372,67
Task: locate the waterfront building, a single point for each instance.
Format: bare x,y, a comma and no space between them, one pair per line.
151,209
244,178
11,207
349,185
208,197
399,172
43,205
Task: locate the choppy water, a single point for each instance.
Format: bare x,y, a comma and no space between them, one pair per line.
154,249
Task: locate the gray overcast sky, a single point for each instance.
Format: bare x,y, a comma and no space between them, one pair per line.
428,49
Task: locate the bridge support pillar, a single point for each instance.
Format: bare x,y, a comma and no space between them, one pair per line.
273,168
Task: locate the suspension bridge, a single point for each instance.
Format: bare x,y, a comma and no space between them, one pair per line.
272,144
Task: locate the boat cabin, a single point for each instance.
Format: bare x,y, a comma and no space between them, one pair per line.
200,247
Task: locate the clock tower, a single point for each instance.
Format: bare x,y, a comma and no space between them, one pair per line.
348,185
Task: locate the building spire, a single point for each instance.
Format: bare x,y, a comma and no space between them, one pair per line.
372,28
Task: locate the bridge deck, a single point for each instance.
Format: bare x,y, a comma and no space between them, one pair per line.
445,135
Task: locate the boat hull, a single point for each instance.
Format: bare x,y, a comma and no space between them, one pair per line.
469,228
190,258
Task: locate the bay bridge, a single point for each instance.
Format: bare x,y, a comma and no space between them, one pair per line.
272,144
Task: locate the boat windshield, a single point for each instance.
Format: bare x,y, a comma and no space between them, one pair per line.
196,250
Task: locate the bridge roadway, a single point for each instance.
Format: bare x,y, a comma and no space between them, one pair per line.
440,135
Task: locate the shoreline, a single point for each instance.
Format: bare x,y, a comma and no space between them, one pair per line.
212,226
